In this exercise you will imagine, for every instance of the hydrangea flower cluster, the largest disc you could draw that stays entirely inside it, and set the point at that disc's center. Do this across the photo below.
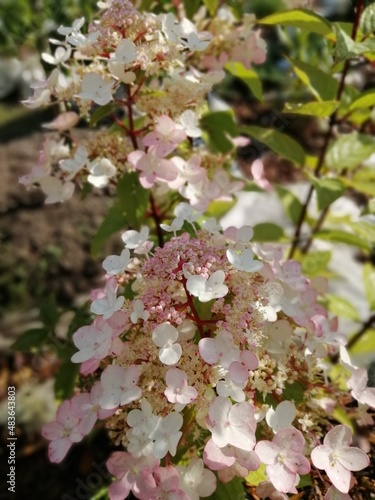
(206, 359)
(209, 365)
(146, 67)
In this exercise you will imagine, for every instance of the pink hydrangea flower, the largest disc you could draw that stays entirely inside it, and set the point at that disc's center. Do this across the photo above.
(283, 458)
(62, 433)
(196, 481)
(130, 473)
(86, 407)
(163, 483)
(165, 138)
(119, 386)
(152, 168)
(359, 389)
(231, 424)
(338, 458)
(178, 390)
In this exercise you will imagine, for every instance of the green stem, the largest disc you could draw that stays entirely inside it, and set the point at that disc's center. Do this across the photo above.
(320, 163)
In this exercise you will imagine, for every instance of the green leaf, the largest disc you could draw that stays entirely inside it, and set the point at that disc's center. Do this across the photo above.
(328, 191)
(346, 48)
(280, 143)
(267, 231)
(257, 476)
(367, 23)
(305, 480)
(211, 6)
(218, 209)
(364, 100)
(321, 109)
(114, 221)
(292, 206)
(66, 379)
(128, 210)
(300, 18)
(249, 76)
(341, 307)
(323, 86)
(316, 263)
(103, 111)
(233, 490)
(369, 282)
(339, 236)
(191, 7)
(294, 392)
(362, 187)
(218, 126)
(31, 340)
(49, 314)
(133, 198)
(349, 150)
(365, 344)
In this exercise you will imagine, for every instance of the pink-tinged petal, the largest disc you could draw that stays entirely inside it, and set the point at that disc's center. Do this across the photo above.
(290, 439)
(353, 458)
(119, 490)
(52, 430)
(215, 457)
(320, 457)
(89, 366)
(176, 379)
(207, 350)
(368, 397)
(170, 354)
(130, 395)
(238, 372)
(339, 476)
(248, 459)
(87, 423)
(339, 436)
(297, 463)
(58, 449)
(281, 477)
(267, 452)
(189, 395)
(335, 494)
(64, 413)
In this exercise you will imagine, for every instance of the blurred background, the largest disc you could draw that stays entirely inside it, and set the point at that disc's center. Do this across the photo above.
(46, 269)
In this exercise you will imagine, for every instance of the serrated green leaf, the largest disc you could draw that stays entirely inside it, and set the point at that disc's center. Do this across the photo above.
(315, 263)
(292, 206)
(328, 191)
(349, 150)
(341, 307)
(267, 231)
(346, 48)
(364, 100)
(31, 340)
(322, 85)
(103, 111)
(367, 23)
(191, 7)
(278, 142)
(66, 379)
(300, 18)
(233, 490)
(369, 282)
(218, 126)
(339, 236)
(321, 109)
(211, 6)
(249, 76)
